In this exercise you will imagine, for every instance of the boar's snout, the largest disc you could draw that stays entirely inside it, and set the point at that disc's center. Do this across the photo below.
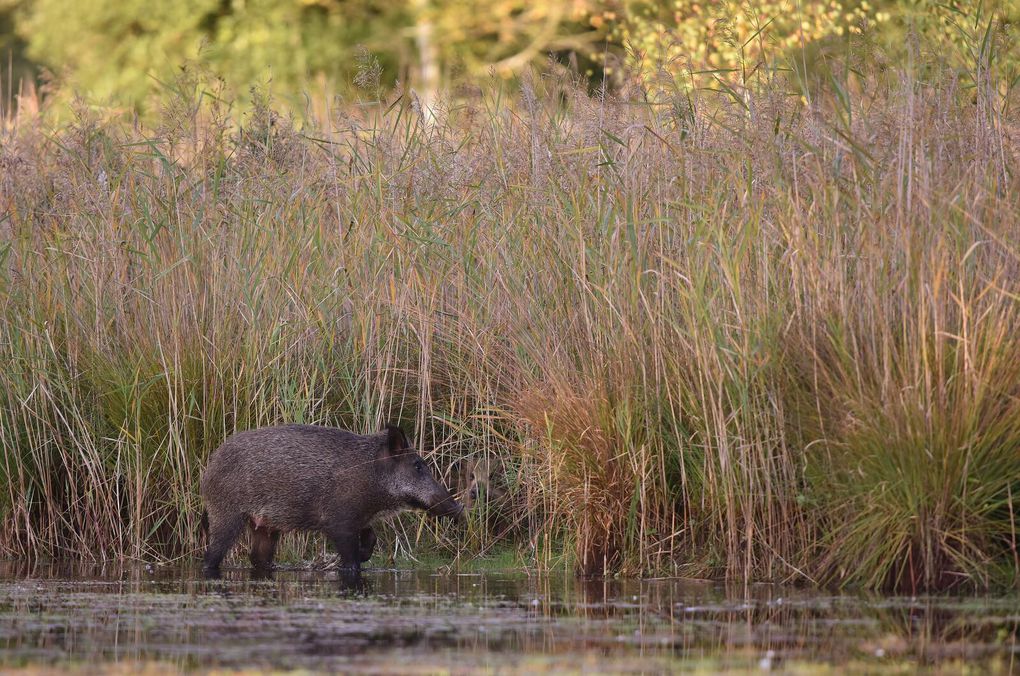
(448, 507)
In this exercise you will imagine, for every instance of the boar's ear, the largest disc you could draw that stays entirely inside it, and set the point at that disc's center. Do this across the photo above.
(467, 469)
(396, 443)
(460, 473)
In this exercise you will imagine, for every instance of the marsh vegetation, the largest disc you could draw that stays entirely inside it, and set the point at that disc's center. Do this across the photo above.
(758, 329)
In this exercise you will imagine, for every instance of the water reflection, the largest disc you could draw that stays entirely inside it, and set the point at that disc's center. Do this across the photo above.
(392, 620)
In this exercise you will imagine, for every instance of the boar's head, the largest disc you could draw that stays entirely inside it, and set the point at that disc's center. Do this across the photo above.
(409, 480)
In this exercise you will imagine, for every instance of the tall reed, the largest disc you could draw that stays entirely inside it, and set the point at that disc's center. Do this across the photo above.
(743, 334)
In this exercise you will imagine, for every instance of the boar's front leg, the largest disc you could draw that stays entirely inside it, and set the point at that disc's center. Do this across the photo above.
(348, 545)
(366, 544)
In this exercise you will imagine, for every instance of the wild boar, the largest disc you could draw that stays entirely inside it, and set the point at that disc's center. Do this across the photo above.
(480, 484)
(312, 478)
(476, 481)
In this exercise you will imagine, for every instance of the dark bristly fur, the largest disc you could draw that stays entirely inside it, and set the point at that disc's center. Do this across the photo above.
(307, 477)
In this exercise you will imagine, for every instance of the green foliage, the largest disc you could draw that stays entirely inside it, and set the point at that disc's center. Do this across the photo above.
(15, 69)
(119, 51)
(681, 38)
(960, 24)
(122, 51)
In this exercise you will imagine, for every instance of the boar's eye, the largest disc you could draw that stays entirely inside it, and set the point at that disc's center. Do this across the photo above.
(419, 467)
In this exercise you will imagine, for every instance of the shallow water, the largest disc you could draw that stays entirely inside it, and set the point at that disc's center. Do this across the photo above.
(424, 621)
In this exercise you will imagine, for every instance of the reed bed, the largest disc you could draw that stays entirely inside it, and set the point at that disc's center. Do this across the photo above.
(740, 333)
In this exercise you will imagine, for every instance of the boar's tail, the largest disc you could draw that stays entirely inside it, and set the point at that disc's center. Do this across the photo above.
(203, 524)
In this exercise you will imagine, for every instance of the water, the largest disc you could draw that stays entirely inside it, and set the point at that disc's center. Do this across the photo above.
(424, 621)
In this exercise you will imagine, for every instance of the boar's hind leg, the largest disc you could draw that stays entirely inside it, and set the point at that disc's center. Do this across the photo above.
(223, 532)
(263, 547)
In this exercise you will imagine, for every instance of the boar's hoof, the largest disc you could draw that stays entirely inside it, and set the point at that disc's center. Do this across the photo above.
(350, 576)
(353, 583)
(259, 573)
